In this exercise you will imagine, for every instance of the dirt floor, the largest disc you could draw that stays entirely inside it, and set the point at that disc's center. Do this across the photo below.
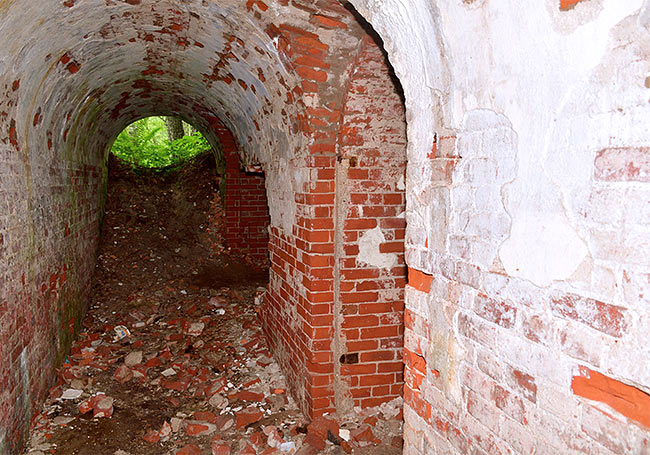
(171, 359)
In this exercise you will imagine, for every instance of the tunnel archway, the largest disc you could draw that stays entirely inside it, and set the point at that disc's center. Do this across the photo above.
(526, 242)
(243, 190)
(287, 81)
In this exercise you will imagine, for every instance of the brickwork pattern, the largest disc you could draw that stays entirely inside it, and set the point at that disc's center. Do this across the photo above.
(246, 205)
(373, 140)
(41, 301)
(496, 364)
(300, 312)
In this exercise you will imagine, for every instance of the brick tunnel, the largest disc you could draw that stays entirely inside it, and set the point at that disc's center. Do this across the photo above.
(302, 94)
(519, 221)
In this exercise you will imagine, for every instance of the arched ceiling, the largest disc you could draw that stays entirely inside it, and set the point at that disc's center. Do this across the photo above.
(79, 71)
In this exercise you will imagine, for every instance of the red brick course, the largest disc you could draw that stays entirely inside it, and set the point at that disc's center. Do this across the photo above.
(372, 297)
(247, 209)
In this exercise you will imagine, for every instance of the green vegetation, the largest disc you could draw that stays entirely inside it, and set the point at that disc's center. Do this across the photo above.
(149, 143)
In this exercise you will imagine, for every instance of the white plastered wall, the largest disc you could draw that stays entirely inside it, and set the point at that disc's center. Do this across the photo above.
(532, 94)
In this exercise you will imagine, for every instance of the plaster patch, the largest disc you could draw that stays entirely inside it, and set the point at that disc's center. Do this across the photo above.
(282, 207)
(473, 4)
(369, 250)
(543, 248)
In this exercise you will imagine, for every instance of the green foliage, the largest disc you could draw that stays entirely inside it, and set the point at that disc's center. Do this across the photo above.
(188, 147)
(145, 144)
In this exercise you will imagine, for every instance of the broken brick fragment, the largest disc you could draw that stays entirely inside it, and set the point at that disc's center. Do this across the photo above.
(321, 429)
(321, 425)
(315, 441)
(190, 449)
(151, 436)
(248, 450)
(257, 439)
(195, 329)
(123, 374)
(166, 431)
(372, 420)
(86, 405)
(248, 417)
(205, 416)
(133, 358)
(251, 383)
(196, 428)
(364, 434)
(219, 447)
(246, 395)
(103, 407)
(153, 362)
(180, 385)
(224, 422)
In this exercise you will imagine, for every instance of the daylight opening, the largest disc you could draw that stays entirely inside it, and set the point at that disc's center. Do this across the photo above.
(159, 142)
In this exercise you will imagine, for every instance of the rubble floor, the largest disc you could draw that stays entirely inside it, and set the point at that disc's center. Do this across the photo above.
(171, 358)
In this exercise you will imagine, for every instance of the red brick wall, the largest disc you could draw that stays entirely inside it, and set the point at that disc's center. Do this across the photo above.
(302, 99)
(373, 140)
(48, 239)
(247, 209)
(298, 310)
(315, 276)
(298, 321)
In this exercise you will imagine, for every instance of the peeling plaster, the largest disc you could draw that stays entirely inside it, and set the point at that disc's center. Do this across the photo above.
(525, 208)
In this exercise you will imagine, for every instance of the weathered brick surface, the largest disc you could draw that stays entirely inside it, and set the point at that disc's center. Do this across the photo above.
(371, 222)
(568, 4)
(50, 220)
(623, 164)
(629, 401)
(298, 308)
(495, 362)
(320, 294)
(247, 208)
